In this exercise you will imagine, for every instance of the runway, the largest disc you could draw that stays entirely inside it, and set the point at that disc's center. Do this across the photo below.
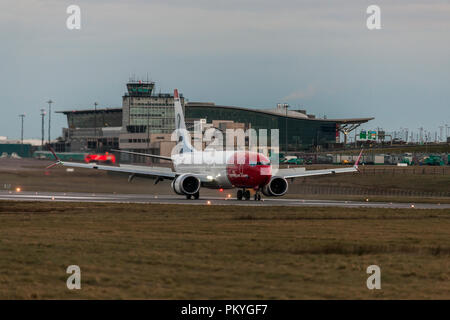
(174, 199)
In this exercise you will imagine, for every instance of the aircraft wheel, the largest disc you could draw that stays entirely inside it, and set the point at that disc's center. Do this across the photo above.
(247, 195)
(259, 197)
(239, 194)
(196, 195)
(255, 197)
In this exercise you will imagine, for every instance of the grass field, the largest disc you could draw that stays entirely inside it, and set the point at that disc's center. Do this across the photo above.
(386, 180)
(162, 252)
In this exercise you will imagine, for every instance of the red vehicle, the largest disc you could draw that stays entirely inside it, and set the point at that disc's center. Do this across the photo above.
(100, 158)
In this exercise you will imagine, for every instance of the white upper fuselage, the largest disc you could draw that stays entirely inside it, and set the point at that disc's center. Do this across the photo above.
(212, 163)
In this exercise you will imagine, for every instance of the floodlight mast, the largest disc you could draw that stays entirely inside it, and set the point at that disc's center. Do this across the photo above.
(95, 126)
(42, 127)
(49, 119)
(21, 130)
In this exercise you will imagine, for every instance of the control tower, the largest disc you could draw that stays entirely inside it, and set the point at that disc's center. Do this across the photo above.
(148, 118)
(140, 88)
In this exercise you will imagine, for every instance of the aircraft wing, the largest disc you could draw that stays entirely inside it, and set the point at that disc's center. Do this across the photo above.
(301, 172)
(138, 170)
(292, 173)
(157, 172)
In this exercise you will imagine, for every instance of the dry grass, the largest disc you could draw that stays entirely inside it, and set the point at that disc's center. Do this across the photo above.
(414, 182)
(160, 251)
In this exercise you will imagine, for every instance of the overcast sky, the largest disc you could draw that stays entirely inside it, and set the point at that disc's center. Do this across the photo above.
(316, 55)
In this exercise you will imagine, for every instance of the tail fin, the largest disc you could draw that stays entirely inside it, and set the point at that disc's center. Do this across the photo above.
(359, 158)
(180, 126)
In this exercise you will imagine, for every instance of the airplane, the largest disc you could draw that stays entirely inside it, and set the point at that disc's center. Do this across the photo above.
(242, 169)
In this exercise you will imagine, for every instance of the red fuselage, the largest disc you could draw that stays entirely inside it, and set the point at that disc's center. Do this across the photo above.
(248, 170)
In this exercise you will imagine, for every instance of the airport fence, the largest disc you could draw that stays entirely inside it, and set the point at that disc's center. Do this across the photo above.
(436, 170)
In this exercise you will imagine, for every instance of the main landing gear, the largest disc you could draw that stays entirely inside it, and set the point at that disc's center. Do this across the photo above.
(245, 194)
(195, 196)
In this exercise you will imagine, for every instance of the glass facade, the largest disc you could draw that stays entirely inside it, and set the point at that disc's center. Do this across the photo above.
(140, 88)
(88, 118)
(146, 112)
(160, 119)
(300, 134)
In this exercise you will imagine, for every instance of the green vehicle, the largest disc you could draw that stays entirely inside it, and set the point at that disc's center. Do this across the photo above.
(274, 156)
(433, 160)
(406, 160)
(295, 161)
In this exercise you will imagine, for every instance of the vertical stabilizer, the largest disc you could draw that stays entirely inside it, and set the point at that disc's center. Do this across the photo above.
(180, 126)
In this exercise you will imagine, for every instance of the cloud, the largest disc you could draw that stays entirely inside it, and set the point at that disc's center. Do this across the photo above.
(300, 94)
(265, 47)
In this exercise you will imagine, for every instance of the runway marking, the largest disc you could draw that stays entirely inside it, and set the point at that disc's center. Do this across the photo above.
(173, 199)
(35, 197)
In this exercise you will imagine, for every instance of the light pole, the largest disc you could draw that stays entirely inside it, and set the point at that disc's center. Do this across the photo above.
(95, 126)
(21, 134)
(148, 129)
(441, 133)
(286, 106)
(42, 125)
(49, 119)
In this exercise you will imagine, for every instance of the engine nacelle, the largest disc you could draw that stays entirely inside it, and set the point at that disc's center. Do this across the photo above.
(186, 184)
(276, 187)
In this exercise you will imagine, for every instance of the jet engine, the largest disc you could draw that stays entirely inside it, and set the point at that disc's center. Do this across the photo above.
(276, 187)
(186, 184)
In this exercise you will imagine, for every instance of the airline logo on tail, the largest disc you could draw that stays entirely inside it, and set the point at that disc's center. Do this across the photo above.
(180, 126)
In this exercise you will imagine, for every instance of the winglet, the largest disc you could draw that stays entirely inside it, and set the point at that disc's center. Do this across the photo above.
(359, 158)
(54, 154)
(58, 160)
(175, 94)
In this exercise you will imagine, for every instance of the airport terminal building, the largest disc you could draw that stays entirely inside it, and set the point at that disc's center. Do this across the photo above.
(146, 120)
(297, 130)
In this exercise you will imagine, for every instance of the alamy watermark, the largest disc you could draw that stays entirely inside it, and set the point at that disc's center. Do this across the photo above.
(74, 280)
(73, 22)
(214, 148)
(373, 22)
(374, 280)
